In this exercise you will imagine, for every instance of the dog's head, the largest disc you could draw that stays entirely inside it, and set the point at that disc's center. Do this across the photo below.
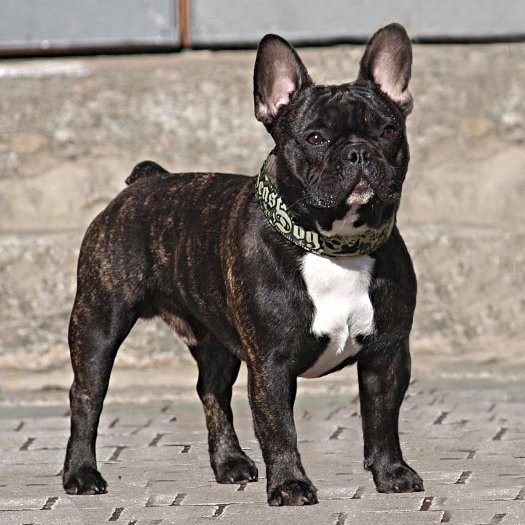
(341, 152)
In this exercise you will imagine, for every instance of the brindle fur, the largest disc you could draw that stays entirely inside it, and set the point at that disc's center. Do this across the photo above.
(197, 251)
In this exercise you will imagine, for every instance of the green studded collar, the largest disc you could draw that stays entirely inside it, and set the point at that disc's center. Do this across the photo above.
(280, 218)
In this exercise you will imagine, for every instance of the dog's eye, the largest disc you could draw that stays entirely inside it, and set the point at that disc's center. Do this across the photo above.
(390, 133)
(316, 139)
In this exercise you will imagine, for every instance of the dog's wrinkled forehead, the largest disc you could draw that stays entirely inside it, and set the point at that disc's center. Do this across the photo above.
(349, 105)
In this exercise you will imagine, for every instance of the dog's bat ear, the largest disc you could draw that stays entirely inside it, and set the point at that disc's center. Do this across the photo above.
(278, 74)
(387, 62)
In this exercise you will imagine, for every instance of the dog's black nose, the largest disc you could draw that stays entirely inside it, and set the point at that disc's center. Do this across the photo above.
(359, 156)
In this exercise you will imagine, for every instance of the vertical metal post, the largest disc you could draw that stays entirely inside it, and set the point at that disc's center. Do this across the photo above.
(184, 22)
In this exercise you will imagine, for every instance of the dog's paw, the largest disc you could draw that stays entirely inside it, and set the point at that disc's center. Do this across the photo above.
(293, 492)
(236, 468)
(397, 477)
(85, 481)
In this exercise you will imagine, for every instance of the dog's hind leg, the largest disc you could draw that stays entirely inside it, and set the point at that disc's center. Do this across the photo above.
(218, 370)
(99, 323)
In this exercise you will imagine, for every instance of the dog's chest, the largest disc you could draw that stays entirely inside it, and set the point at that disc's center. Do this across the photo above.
(339, 290)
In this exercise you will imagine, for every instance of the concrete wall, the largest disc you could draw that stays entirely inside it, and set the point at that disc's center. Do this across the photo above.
(233, 22)
(72, 129)
(50, 26)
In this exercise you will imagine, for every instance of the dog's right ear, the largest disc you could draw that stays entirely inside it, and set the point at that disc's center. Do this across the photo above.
(278, 74)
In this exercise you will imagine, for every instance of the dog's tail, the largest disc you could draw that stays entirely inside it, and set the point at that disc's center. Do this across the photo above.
(144, 169)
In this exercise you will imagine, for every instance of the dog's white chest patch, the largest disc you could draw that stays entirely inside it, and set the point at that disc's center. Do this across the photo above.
(338, 288)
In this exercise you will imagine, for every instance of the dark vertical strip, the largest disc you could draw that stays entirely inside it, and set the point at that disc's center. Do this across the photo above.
(27, 444)
(358, 493)
(219, 510)
(439, 420)
(426, 504)
(48, 505)
(116, 514)
(500, 434)
(465, 475)
(179, 498)
(341, 519)
(184, 22)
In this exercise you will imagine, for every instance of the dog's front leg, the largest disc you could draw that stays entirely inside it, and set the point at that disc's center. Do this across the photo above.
(271, 389)
(384, 375)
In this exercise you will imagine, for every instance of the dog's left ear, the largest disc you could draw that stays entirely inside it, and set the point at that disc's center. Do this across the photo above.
(278, 75)
(387, 62)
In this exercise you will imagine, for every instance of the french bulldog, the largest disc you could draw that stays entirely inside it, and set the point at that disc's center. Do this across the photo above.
(298, 272)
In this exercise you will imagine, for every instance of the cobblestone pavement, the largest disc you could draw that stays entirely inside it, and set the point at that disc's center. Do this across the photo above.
(467, 443)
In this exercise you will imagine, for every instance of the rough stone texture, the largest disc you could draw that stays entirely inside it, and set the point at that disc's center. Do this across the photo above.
(71, 130)
(37, 286)
(470, 305)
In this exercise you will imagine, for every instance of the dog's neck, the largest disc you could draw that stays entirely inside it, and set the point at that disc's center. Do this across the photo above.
(279, 216)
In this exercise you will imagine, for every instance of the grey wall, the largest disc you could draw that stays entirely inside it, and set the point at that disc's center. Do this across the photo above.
(63, 24)
(41, 26)
(310, 21)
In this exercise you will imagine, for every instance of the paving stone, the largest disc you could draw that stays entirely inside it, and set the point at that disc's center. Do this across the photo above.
(158, 469)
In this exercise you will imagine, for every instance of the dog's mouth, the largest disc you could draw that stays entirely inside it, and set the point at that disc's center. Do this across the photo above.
(361, 193)
(363, 206)
(373, 214)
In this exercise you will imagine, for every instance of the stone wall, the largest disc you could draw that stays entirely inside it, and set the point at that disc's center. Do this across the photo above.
(72, 129)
